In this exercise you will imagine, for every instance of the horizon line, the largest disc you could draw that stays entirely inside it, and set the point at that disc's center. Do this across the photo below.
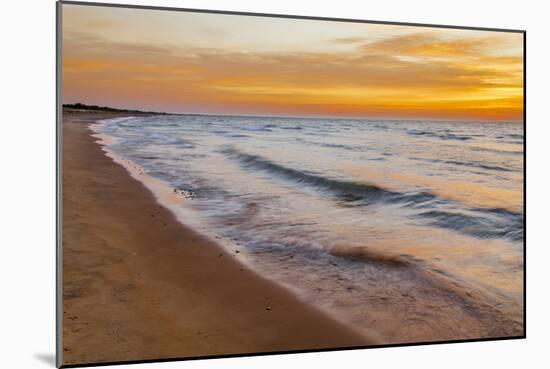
(140, 110)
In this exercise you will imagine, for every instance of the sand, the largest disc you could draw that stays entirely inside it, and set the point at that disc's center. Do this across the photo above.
(139, 285)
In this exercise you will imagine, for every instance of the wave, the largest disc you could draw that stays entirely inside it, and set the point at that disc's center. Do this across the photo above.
(512, 135)
(497, 151)
(229, 133)
(478, 165)
(344, 190)
(332, 145)
(481, 223)
(117, 121)
(236, 135)
(507, 225)
(440, 135)
(165, 139)
(315, 249)
(472, 164)
(264, 128)
(268, 128)
(371, 256)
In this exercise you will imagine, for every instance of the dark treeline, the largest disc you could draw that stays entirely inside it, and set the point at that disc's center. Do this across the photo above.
(107, 108)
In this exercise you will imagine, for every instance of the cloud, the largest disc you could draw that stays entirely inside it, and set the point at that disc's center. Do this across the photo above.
(437, 44)
(348, 40)
(441, 77)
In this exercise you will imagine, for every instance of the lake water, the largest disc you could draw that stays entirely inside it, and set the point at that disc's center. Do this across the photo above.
(405, 230)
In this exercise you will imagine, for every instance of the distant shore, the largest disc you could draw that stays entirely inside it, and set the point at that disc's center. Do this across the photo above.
(139, 285)
(85, 108)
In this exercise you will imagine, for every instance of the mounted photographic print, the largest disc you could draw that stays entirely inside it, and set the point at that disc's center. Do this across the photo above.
(240, 184)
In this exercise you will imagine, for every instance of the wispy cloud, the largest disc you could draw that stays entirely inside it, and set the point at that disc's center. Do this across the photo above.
(348, 40)
(429, 44)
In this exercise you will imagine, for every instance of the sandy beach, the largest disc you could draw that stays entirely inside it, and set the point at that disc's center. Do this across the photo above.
(139, 285)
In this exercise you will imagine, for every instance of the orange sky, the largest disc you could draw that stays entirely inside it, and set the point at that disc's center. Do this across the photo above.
(228, 64)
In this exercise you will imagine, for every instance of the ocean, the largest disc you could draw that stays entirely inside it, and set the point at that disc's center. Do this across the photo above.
(406, 231)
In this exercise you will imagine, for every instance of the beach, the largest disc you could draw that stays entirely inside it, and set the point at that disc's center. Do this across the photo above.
(139, 285)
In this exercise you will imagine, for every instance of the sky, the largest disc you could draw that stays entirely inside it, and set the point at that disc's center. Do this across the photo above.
(186, 62)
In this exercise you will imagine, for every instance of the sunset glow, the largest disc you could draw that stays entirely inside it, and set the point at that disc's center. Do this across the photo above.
(228, 64)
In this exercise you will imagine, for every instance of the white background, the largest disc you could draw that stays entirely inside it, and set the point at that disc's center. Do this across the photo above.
(27, 147)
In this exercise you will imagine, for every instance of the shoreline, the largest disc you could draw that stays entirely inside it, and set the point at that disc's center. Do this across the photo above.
(138, 284)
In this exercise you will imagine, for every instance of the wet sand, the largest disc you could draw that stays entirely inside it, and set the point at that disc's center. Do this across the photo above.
(139, 285)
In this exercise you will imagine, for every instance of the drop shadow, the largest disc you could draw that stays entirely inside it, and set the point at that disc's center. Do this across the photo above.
(46, 358)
